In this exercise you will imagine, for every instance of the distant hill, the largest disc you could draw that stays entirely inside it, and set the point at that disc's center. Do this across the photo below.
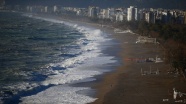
(167, 4)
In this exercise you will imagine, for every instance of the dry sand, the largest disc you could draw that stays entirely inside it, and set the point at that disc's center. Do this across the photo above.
(127, 86)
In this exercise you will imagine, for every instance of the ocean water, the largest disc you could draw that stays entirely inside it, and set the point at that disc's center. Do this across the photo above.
(40, 58)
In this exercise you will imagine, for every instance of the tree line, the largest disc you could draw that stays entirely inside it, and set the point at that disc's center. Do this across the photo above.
(171, 36)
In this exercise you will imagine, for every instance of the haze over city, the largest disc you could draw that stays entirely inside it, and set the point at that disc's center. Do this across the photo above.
(167, 4)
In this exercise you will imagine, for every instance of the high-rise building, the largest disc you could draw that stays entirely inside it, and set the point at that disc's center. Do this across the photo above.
(107, 13)
(132, 13)
(112, 11)
(141, 15)
(101, 14)
(93, 11)
(164, 17)
(119, 17)
(46, 9)
(150, 17)
(55, 9)
(119, 14)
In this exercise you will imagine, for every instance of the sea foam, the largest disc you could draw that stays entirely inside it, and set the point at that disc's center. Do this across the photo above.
(80, 68)
(59, 95)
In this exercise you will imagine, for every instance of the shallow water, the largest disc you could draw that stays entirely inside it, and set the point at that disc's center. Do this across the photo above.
(42, 56)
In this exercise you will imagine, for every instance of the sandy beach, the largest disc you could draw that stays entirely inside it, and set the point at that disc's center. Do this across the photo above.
(127, 85)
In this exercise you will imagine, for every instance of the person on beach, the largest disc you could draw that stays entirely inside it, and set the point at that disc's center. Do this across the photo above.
(175, 94)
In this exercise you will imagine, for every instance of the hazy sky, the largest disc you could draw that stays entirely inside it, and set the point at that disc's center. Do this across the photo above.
(105, 3)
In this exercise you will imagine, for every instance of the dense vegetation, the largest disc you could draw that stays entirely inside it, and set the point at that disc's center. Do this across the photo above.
(171, 36)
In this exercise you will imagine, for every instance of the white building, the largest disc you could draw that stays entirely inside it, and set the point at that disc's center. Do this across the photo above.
(78, 12)
(90, 11)
(107, 13)
(93, 11)
(119, 14)
(119, 17)
(101, 14)
(46, 9)
(81, 12)
(132, 13)
(29, 8)
(55, 9)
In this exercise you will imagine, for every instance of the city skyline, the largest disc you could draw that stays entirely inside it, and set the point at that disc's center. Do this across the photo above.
(170, 4)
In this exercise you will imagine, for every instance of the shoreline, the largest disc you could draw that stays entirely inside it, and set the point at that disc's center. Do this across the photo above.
(125, 84)
(104, 49)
